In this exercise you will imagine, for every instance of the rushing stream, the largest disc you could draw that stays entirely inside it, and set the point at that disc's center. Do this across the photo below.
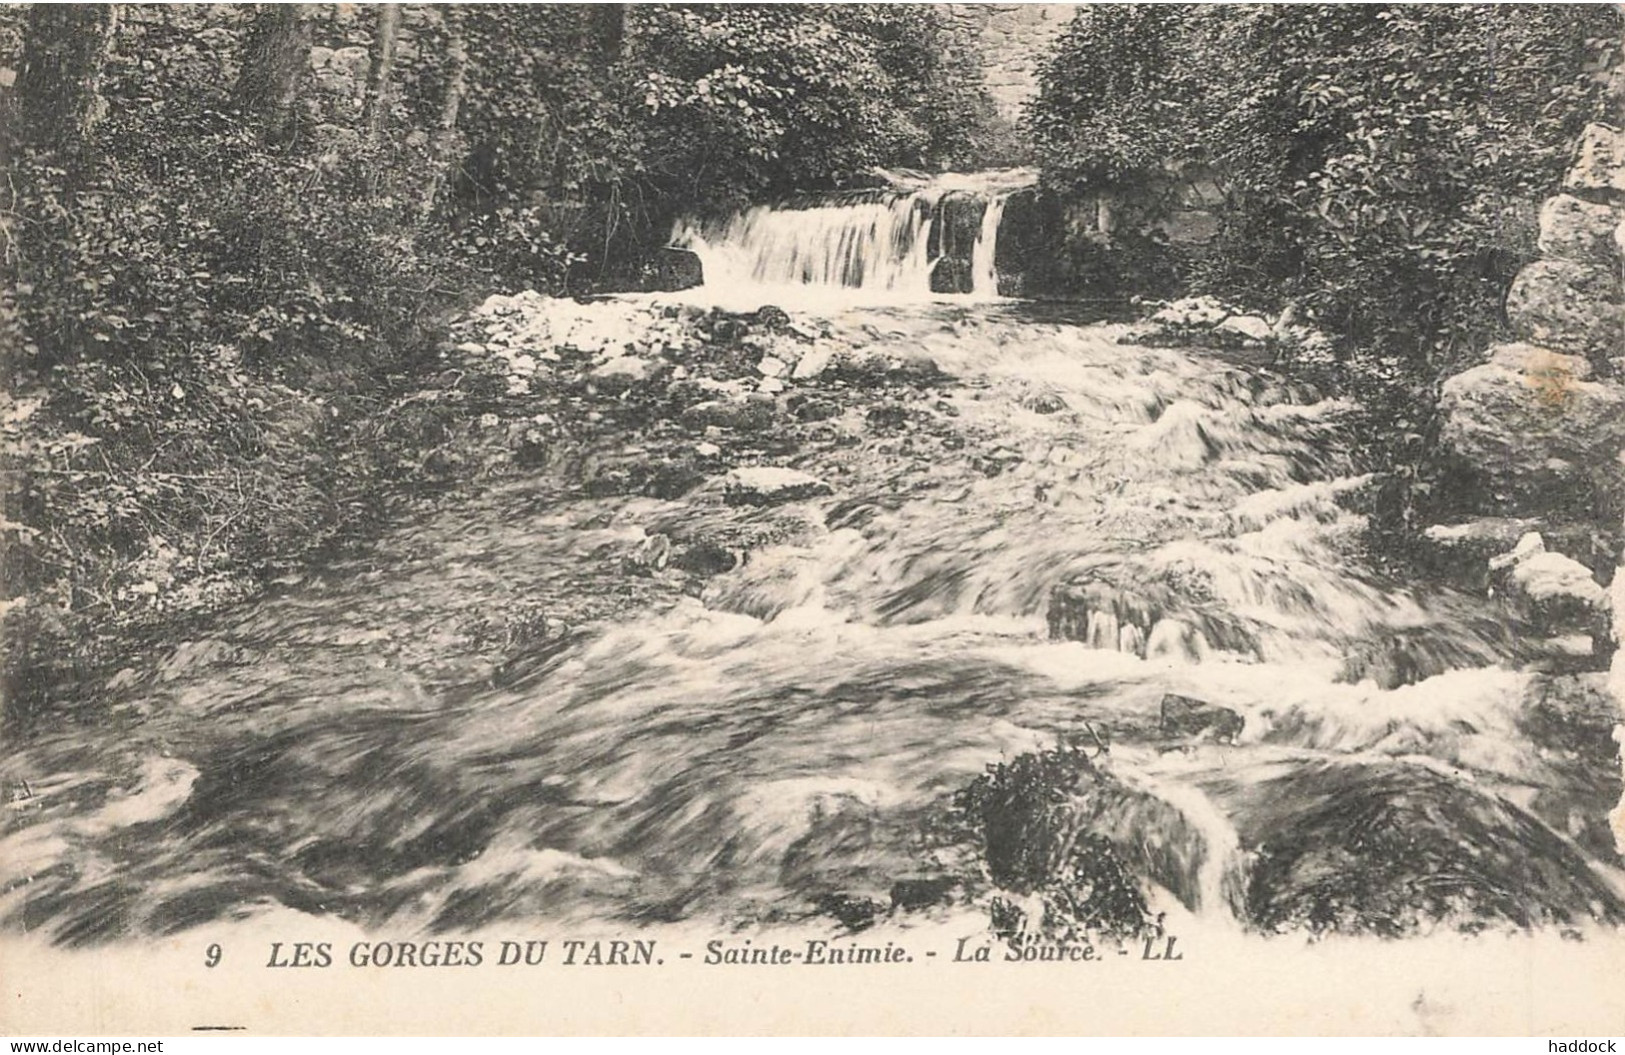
(759, 711)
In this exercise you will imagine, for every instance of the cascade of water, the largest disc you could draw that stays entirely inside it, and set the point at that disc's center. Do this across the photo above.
(876, 248)
(984, 273)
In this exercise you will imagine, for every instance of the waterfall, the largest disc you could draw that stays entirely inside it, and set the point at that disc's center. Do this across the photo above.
(876, 246)
(984, 272)
(919, 238)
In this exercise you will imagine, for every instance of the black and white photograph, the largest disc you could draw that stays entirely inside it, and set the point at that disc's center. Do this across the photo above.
(988, 518)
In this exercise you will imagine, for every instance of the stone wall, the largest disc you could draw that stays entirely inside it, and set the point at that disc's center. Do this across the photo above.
(1013, 38)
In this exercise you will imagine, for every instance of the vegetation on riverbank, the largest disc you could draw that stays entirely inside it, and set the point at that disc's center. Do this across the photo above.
(1377, 167)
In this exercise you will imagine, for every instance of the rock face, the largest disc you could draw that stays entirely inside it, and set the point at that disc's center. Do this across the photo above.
(1532, 429)
(1012, 37)
(1599, 168)
(1029, 244)
(958, 224)
(1569, 306)
(1581, 231)
(1539, 430)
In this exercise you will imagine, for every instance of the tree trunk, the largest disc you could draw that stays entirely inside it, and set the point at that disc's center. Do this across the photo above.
(383, 67)
(276, 55)
(443, 147)
(65, 48)
(609, 29)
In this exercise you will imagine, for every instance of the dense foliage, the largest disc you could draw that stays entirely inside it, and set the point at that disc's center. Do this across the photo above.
(608, 131)
(781, 97)
(236, 232)
(1380, 165)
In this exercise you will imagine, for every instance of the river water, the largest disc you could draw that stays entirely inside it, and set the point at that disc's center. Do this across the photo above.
(1025, 548)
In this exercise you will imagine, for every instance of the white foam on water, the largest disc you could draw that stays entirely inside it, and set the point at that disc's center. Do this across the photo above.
(866, 247)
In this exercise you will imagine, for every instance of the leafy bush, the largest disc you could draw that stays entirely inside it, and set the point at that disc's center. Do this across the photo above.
(1378, 161)
(1381, 166)
(744, 101)
(1112, 96)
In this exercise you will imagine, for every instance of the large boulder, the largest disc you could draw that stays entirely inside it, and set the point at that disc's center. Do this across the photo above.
(1391, 849)
(1028, 254)
(669, 269)
(1532, 430)
(1569, 306)
(1599, 168)
(1582, 231)
(954, 231)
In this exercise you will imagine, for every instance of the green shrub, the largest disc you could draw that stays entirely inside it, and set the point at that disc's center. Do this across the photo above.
(1381, 167)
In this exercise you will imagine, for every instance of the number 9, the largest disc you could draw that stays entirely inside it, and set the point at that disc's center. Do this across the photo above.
(213, 955)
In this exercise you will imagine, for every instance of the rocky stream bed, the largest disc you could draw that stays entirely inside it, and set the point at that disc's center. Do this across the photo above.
(784, 619)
